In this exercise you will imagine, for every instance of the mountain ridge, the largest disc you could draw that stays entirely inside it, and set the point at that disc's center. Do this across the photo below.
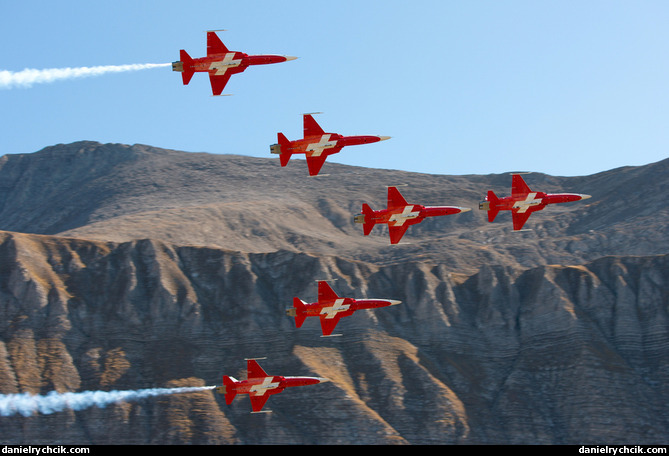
(253, 204)
(554, 336)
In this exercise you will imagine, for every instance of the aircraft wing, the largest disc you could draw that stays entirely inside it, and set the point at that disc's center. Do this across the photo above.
(519, 218)
(258, 402)
(215, 45)
(325, 292)
(315, 163)
(311, 127)
(253, 369)
(218, 82)
(328, 324)
(518, 186)
(396, 232)
(395, 198)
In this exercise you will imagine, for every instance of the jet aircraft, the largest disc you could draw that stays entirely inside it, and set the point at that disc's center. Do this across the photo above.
(260, 386)
(330, 307)
(523, 201)
(400, 215)
(317, 144)
(220, 63)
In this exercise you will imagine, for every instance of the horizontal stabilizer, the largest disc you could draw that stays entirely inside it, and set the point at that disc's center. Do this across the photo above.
(186, 76)
(300, 308)
(368, 224)
(229, 389)
(284, 144)
(185, 58)
(187, 66)
(493, 209)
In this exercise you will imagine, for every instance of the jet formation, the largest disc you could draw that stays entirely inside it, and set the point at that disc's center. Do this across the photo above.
(523, 202)
(221, 63)
(330, 307)
(316, 144)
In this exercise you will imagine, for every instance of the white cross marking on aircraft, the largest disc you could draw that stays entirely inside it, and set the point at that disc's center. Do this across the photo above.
(406, 214)
(331, 311)
(227, 62)
(523, 206)
(262, 388)
(324, 143)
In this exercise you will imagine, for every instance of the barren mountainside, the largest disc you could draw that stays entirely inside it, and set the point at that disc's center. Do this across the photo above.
(120, 193)
(128, 267)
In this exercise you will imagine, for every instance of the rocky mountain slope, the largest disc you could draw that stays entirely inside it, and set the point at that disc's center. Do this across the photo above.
(127, 267)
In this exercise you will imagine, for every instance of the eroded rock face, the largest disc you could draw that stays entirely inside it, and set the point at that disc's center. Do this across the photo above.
(550, 354)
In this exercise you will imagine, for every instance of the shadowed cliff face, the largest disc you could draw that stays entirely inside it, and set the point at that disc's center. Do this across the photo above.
(550, 354)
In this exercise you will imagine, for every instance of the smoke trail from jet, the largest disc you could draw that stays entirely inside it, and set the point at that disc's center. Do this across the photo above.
(26, 404)
(28, 77)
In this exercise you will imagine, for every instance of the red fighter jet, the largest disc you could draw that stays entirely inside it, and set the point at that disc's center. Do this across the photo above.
(523, 202)
(317, 144)
(330, 308)
(400, 215)
(220, 63)
(260, 386)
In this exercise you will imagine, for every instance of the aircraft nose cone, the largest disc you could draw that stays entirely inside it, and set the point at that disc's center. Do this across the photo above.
(322, 379)
(394, 302)
(383, 138)
(289, 57)
(465, 209)
(585, 197)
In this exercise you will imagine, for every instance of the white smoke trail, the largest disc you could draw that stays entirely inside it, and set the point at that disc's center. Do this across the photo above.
(26, 404)
(28, 77)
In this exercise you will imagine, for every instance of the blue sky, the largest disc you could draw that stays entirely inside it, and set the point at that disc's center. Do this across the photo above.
(463, 87)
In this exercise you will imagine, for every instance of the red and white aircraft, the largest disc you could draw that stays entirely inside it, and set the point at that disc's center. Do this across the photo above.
(523, 201)
(220, 63)
(260, 386)
(330, 307)
(400, 215)
(317, 144)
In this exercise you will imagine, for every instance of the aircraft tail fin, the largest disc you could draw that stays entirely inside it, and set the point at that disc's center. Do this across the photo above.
(187, 63)
(493, 209)
(367, 212)
(284, 144)
(299, 307)
(228, 389)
